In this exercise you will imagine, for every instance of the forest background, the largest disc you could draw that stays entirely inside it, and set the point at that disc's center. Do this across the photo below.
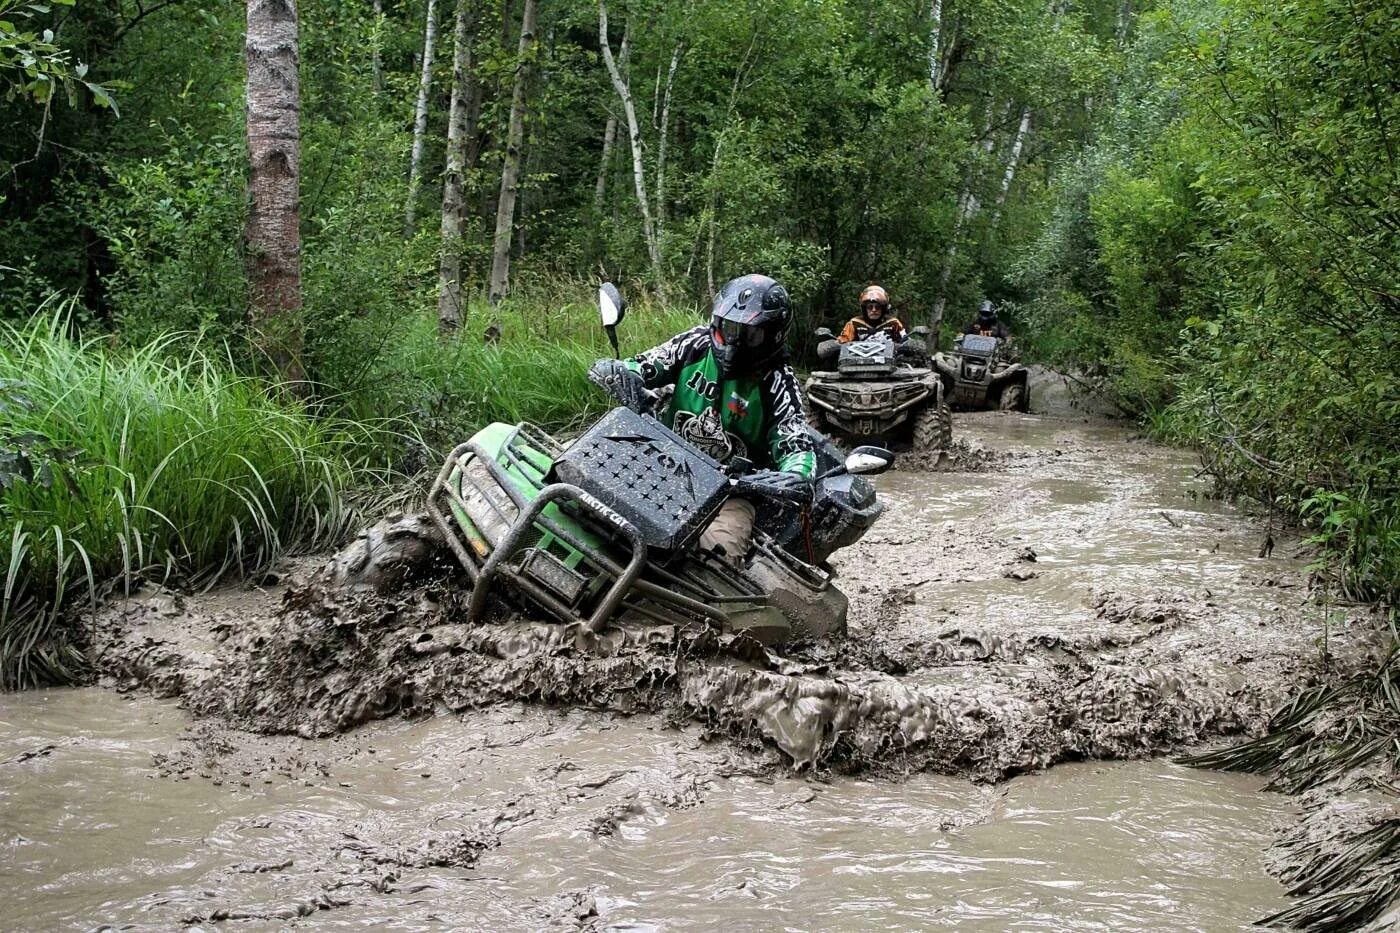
(1191, 206)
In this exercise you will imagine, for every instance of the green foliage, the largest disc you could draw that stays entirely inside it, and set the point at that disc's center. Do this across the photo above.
(1237, 266)
(143, 463)
(33, 65)
(172, 227)
(437, 393)
(1232, 241)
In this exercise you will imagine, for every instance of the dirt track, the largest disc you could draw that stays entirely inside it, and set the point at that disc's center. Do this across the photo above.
(1058, 590)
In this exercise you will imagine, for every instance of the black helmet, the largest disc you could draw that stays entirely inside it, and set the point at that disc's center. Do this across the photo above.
(985, 314)
(749, 327)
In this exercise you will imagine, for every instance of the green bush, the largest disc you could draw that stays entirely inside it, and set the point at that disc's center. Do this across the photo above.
(173, 226)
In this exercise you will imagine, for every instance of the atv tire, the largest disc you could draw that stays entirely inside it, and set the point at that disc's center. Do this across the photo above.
(933, 428)
(1013, 398)
(386, 555)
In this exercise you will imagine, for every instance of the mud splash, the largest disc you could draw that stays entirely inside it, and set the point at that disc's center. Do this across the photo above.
(993, 632)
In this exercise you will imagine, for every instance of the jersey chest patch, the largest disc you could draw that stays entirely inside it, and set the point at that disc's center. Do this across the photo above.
(706, 432)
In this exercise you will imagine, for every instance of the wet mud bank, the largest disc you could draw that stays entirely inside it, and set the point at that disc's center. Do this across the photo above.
(1069, 594)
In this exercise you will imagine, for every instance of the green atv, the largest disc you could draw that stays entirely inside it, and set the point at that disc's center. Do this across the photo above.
(604, 530)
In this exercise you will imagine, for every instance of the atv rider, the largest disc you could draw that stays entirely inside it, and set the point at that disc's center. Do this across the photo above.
(735, 396)
(874, 319)
(987, 324)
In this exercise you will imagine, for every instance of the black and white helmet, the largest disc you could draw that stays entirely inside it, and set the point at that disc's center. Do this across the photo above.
(749, 325)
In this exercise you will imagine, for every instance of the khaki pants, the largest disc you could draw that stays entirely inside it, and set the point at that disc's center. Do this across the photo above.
(731, 529)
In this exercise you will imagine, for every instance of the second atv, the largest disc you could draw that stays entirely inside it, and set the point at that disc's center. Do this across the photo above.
(878, 392)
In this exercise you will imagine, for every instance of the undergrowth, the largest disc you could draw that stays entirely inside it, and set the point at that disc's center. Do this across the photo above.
(145, 463)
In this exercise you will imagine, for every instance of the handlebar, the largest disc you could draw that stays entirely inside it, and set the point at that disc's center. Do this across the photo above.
(799, 497)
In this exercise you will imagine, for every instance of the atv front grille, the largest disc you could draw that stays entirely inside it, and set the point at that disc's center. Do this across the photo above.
(868, 399)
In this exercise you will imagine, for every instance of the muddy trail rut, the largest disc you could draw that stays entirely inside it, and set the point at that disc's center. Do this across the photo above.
(1055, 590)
(1058, 590)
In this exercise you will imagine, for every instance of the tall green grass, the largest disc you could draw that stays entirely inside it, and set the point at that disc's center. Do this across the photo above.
(443, 390)
(154, 462)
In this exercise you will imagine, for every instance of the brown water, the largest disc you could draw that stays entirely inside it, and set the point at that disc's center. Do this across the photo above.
(644, 824)
(1145, 620)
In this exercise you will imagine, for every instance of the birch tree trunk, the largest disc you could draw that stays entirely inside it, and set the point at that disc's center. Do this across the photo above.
(968, 206)
(600, 188)
(274, 164)
(510, 172)
(475, 90)
(420, 118)
(1013, 162)
(634, 135)
(935, 53)
(378, 60)
(453, 195)
(663, 130)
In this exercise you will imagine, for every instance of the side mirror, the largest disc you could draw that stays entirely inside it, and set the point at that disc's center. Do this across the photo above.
(866, 460)
(869, 460)
(824, 333)
(920, 331)
(612, 307)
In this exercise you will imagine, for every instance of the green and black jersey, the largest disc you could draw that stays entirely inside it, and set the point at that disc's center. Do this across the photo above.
(757, 417)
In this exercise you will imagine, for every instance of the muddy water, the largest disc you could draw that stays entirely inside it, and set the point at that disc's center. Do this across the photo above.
(1074, 595)
(641, 825)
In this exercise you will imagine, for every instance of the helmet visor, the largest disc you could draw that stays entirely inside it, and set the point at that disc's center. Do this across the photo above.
(735, 334)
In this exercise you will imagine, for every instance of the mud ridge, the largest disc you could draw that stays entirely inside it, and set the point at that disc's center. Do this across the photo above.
(326, 661)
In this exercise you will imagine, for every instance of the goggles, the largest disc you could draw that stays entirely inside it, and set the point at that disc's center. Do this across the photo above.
(734, 334)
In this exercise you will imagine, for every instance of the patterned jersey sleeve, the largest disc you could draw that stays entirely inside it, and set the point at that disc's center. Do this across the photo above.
(660, 365)
(789, 443)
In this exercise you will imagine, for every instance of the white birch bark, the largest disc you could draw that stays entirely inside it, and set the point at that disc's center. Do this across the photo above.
(634, 135)
(968, 206)
(663, 131)
(420, 118)
(935, 53)
(274, 166)
(453, 193)
(510, 171)
(1013, 161)
(600, 188)
(378, 60)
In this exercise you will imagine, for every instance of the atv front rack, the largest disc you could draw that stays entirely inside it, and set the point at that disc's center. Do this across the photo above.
(502, 521)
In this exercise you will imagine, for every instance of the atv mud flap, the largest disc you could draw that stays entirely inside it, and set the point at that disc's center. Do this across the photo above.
(801, 594)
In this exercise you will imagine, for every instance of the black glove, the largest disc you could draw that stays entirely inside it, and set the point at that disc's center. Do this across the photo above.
(627, 387)
(790, 487)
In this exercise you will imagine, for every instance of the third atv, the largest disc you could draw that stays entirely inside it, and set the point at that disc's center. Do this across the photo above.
(981, 373)
(878, 390)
